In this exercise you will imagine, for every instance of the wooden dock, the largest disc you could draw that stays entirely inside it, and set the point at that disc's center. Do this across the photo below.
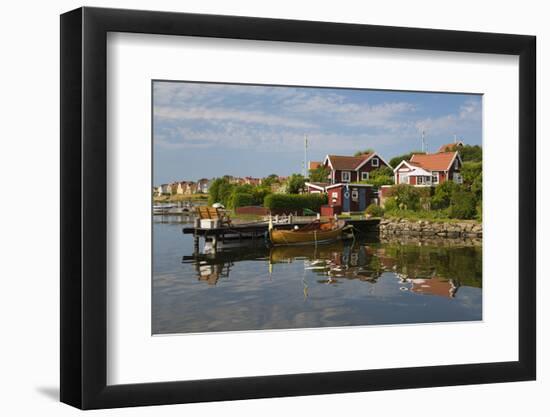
(258, 231)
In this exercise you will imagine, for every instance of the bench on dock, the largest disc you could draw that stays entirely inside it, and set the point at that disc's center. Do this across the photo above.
(213, 213)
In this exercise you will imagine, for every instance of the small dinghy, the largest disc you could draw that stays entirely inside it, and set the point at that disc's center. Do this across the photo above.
(312, 233)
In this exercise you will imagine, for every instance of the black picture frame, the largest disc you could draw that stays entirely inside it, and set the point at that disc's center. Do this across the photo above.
(84, 207)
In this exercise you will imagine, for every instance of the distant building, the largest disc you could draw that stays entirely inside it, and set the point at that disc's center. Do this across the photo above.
(252, 181)
(164, 189)
(202, 185)
(429, 169)
(451, 147)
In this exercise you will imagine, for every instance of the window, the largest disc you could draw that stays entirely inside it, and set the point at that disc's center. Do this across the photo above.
(364, 176)
(334, 195)
(375, 162)
(419, 180)
(355, 195)
(457, 178)
(435, 177)
(346, 176)
(403, 179)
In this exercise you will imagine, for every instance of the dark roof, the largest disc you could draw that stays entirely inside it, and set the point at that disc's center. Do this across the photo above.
(348, 162)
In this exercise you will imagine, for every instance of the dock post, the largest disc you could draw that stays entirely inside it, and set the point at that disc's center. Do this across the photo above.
(318, 216)
(197, 223)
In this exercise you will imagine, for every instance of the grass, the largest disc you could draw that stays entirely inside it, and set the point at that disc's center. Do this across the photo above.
(179, 197)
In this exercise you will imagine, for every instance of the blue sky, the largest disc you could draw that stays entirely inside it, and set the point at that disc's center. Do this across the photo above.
(210, 130)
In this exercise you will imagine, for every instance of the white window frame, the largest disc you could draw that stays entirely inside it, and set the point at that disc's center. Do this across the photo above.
(335, 195)
(420, 180)
(355, 195)
(348, 174)
(403, 178)
(457, 177)
(435, 177)
(364, 176)
(375, 162)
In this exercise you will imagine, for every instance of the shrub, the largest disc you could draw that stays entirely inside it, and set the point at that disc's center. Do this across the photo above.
(241, 199)
(294, 202)
(375, 210)
(407, 197)
(296, 183)
(390, 204)
(463, 204)
(442, 195)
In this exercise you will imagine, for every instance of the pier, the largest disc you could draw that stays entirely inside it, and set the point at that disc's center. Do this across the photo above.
(258, 231)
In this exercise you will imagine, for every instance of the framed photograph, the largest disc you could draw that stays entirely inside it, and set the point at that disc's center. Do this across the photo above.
(257, 208)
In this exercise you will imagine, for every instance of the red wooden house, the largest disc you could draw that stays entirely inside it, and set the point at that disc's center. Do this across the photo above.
(346, 169)
(429, 169)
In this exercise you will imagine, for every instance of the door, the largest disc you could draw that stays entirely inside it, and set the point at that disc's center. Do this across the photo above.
(346, 198)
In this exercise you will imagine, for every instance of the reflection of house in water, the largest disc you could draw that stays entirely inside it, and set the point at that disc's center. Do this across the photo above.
(420, 271)
(431, 286)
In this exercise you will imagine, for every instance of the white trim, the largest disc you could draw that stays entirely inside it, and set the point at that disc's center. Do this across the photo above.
(349, 175)
(318, 187)
(362, 175)
(403, 162)
(377, 162)
(369, 158)
(327, 159)
(341, 184)
(453, 159)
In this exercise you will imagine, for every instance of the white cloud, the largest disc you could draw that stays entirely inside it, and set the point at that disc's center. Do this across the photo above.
(214, 114)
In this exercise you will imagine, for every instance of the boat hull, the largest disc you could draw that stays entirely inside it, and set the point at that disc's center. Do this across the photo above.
(296, 237)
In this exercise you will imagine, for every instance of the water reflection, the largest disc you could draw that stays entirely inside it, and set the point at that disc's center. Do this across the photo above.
(422, 270)
(365, 282)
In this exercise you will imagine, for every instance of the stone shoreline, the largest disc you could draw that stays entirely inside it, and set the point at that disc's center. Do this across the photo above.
(426, 228)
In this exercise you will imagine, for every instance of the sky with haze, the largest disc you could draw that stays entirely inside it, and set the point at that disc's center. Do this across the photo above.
(210, 130)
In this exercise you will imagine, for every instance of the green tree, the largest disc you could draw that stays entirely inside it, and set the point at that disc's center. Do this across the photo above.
(407, 197)
(220, 191)
(319, 174)
(463, 204)
(368, 150)
(380, 176)
(442, 195)
(469, 153)
(296, 184)
(405, 157)
(270, 180)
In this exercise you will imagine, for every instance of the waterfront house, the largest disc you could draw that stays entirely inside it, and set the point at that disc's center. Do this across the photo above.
(345, 197)
(202, 185)
(252, 181)
(348, 169)
(164, 189)
(429, 169)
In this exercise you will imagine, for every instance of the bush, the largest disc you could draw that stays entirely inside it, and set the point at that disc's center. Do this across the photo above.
(390, 204)
(241, 199)
(407, 197)
(296, 183)
(442, 195)
(374, 210)
(295, 202)
(463, 204)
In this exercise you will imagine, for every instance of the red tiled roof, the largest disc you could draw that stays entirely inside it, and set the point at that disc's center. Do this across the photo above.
(434, 161)
(450, 147)
(347, 162)
(314, 164)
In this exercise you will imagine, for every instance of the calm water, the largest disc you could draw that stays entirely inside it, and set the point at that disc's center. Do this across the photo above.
(343, 284)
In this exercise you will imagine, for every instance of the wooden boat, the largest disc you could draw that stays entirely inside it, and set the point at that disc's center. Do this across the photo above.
(312, 233)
